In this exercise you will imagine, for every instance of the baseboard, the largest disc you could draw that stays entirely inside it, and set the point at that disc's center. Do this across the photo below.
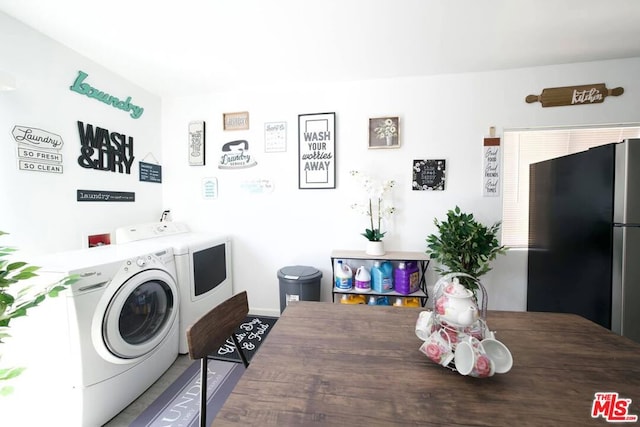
(256, 311)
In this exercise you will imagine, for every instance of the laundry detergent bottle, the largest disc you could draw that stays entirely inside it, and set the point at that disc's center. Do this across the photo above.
(387, 276)
(344, 276)
(363, 279)
(381, 279)
(406, 278)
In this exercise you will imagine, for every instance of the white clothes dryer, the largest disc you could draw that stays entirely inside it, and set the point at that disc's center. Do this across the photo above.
(105, 339)
(203, 265)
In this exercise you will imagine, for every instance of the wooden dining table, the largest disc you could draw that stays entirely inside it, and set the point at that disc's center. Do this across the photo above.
(357, 365)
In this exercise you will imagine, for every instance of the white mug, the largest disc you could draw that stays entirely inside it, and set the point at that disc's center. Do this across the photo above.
(437, 347)
(499, 354)
(424, 325)
(471, 359)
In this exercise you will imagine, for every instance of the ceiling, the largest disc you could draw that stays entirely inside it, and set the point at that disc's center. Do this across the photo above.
(183, 47)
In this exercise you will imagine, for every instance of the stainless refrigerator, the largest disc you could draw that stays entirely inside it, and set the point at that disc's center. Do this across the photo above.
(584, 236)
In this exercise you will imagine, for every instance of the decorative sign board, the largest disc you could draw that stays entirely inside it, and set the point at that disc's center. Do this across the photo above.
(275, 137)
(574, 95)
(104, 150)
(429, 175)
(79, 86)
(235, 121)
(491, 171)
(105, 196)
(38, 149)
(257, 186)
(317, 150)
(38, 138)
(210, 188)
(235, 155)
(197, 143)
(30, 165)
(150, 172)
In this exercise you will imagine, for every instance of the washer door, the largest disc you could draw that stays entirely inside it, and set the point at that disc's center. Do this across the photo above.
(140, 314)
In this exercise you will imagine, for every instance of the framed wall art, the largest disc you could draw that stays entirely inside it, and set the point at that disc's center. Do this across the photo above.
(383, 132)
(235, 121)
(429, 175)
(317, 150)
(275, 137)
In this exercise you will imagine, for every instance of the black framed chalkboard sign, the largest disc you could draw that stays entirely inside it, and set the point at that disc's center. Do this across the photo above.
(429, 175)
(317, 150)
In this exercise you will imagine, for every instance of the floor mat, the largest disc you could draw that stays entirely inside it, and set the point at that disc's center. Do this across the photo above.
(179, 405)
(250, 334)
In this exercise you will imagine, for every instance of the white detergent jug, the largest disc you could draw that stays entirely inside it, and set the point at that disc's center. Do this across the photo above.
(363, 279)
(344, 276)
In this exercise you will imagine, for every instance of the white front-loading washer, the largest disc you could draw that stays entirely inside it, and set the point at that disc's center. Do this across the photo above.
(105, 339)
(203, 265)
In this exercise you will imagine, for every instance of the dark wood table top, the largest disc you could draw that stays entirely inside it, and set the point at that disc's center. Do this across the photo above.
(352, 365)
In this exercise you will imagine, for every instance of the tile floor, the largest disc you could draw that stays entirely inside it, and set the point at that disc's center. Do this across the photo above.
(124, 418)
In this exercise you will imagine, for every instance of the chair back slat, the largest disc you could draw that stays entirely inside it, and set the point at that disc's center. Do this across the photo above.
(215, 327)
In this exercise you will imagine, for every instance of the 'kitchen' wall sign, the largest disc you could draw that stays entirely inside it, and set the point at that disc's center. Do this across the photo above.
(574, 95)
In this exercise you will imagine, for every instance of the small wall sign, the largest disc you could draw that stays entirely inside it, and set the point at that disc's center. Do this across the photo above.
(38, 149)
(105, 196)
(257, 186)
(235, 155)
(574, 95)
(150, 172)
(35, 137)
(429, 175)
(491, 171)
(210, 188)
(235, 121)
(275, 137)
(196, 143)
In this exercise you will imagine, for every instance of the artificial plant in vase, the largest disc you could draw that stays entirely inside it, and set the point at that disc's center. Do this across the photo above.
(376, 206)
(463, 245)
(16, 297)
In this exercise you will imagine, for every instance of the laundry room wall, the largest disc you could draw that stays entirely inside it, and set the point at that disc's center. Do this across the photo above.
(274, 224)
(39, 209)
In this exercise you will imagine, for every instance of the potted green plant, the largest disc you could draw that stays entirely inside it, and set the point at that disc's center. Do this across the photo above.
(16, 297)
(376, 206)
(463, 245)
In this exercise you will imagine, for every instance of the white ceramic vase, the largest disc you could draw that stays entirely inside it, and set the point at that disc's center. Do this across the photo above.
(375, 248)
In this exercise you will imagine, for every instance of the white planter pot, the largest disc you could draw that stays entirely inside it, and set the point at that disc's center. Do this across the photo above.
(375, 248)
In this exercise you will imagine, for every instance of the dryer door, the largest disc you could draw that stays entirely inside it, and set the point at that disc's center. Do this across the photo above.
(141, 314)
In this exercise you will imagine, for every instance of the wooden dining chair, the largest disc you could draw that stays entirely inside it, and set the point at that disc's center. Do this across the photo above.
(211, 331)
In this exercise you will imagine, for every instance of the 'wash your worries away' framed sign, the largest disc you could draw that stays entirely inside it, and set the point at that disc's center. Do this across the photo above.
(317, 150)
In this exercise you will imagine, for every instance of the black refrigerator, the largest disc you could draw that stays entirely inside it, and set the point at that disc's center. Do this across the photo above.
(584, 236)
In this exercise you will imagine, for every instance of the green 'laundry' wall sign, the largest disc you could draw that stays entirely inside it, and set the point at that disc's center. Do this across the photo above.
(83, 88)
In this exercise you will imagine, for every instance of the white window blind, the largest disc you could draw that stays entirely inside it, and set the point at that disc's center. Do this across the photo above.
(521, 148)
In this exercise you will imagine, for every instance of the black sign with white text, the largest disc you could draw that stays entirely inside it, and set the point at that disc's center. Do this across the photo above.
(105, 196)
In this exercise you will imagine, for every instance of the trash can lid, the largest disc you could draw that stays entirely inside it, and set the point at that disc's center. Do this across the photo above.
(299, 272)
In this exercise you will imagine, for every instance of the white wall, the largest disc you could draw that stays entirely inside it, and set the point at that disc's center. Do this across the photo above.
(40, 209)
(441, 117)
